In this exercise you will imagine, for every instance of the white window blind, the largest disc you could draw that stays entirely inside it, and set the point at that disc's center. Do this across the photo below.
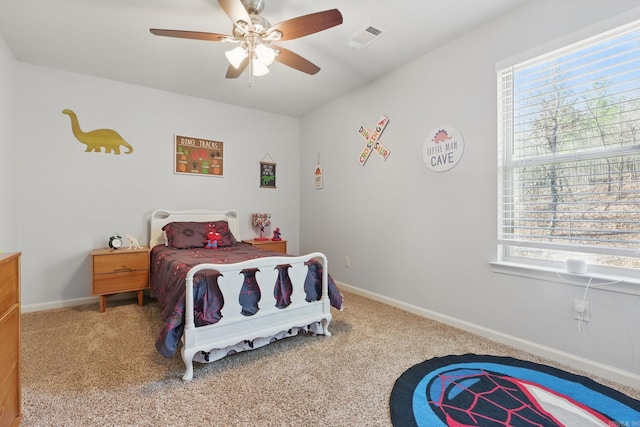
(569, 158)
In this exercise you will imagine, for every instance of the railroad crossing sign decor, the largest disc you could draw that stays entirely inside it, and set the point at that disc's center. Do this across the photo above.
(372, 141)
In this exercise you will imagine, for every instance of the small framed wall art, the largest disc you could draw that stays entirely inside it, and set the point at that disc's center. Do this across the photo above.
(267, 174)
(197, 156)
(317, 177)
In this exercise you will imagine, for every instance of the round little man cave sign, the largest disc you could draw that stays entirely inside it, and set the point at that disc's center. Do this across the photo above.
(443, 149)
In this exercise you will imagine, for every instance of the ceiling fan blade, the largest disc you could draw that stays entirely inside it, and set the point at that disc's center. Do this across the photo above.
(236, 11)
(308, 24)
(197, 35)
(233, 72)
(293, 60)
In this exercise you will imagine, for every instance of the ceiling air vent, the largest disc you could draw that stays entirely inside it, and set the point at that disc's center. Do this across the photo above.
(365, 37)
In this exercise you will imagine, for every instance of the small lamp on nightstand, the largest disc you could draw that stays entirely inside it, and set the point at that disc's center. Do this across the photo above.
(261, 220)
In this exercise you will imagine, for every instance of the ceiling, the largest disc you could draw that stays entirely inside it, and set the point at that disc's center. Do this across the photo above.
(111, 39)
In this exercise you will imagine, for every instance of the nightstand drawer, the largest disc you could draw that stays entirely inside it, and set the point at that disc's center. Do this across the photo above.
(123, 262)
(280, 246)
(120, 282)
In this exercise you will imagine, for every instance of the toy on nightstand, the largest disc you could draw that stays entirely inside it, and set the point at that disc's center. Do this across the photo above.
(133, 242)
(276, 235)
(212, 239)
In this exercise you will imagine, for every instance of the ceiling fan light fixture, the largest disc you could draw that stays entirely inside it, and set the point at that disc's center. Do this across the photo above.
(236, 56)
(259, 68)
(274, 35)
(240, 29)
(265, 54)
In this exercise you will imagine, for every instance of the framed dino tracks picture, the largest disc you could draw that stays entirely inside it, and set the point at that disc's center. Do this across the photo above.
(197, 156)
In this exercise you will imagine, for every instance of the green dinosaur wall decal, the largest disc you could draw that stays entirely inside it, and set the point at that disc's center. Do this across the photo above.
(96, 139)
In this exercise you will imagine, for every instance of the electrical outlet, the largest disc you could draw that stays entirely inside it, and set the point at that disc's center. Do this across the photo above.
(347, 261)
(581, 310)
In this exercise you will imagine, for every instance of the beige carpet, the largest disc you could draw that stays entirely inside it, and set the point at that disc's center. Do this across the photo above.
(84, 368)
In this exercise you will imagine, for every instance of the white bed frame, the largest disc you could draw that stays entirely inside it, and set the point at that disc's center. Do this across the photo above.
(234, 327)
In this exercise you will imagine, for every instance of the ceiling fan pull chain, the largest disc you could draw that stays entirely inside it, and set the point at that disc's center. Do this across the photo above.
(251, 68)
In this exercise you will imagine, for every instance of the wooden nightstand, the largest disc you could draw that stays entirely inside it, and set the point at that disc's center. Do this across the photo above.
(119, 270)
(269, 245)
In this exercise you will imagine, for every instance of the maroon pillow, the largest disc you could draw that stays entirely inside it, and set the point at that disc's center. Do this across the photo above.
(186, 235)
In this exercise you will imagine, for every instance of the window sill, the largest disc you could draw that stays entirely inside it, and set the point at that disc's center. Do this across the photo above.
(619, 284)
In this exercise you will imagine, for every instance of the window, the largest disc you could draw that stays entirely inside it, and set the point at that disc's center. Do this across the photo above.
(569, 155)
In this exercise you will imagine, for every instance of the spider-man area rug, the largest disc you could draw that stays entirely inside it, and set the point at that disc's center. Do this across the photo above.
(479, 390)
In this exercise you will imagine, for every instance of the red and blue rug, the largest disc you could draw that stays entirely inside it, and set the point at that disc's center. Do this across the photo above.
(480, 390)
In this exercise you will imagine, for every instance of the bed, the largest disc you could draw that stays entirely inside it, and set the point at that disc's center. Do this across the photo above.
(221, 296)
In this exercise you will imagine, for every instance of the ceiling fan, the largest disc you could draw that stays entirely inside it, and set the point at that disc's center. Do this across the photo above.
(255, 37)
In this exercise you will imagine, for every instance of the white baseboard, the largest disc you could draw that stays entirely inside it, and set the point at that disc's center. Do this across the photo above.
(71, 303)
(595, 368)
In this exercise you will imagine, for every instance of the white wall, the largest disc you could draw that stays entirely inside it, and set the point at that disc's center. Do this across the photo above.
(71, 201)
(8, 148)
(425, 239)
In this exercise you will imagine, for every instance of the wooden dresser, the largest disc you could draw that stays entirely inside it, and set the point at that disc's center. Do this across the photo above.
(10, 374)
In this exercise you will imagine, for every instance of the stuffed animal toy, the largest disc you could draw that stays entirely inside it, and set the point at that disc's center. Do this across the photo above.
(212, 239)
(277, 234)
